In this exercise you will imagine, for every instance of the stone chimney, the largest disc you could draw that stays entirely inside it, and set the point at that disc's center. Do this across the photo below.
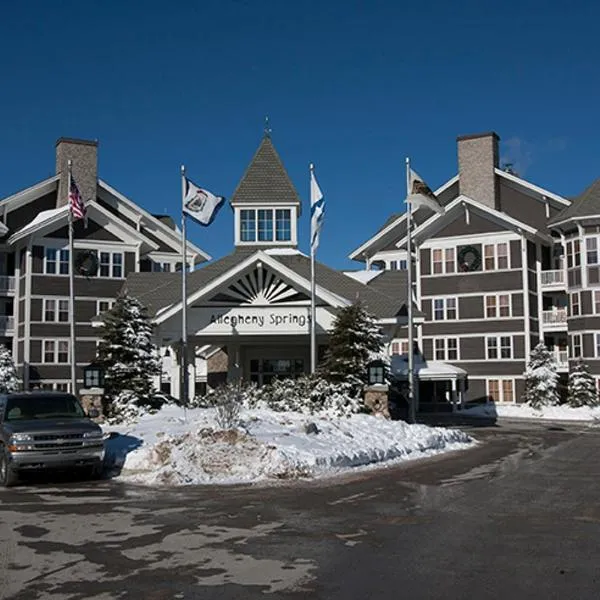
(477, 159)
(84, 157)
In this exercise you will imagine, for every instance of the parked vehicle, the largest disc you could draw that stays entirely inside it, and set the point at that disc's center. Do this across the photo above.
(47, 430)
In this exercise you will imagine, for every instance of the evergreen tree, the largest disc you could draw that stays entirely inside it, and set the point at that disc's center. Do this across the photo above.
(353, 342)
(9, 380)
(127, 353)
(541, 378)
(581, 388)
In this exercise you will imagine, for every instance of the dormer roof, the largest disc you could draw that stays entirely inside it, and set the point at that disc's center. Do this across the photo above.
(266, 182)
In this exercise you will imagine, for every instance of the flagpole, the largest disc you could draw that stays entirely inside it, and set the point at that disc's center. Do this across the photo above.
(73, 354)
(412, 414)
(184, 358)
(313, 311)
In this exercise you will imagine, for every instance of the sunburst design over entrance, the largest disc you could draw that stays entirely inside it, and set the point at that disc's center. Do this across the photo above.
(260, 286)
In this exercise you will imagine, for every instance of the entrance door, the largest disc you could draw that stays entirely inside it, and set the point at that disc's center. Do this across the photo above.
(264, 370)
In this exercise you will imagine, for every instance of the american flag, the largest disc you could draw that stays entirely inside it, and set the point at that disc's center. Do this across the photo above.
(75, 201)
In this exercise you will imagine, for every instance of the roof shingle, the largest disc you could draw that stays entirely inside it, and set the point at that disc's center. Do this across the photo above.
(586, 204)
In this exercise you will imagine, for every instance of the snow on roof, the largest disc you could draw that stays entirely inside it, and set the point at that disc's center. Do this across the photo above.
(42, 217)
(363, 276)
(426, 370)
(282, 251)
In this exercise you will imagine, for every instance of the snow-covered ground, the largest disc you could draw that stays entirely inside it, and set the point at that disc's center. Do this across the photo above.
(172, 448)
(523, 411)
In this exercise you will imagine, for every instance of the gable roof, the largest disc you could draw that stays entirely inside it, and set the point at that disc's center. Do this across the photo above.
(161, 292)
(587, 204)
(265, 181)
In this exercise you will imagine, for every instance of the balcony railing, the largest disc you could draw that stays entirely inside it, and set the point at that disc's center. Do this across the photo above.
(6, 324)
(556, 316)
(561, 357)
(555, 277)
(7, 284)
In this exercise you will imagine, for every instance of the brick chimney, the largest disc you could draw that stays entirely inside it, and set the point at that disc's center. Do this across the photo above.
(84, 157)
(477, 159)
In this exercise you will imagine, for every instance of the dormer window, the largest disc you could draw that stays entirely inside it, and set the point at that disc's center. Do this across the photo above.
(266, 225)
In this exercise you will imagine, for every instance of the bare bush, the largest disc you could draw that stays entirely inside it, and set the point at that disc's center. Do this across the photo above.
(228, 406)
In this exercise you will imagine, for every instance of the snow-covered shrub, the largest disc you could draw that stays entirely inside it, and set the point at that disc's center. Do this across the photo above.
(9, 380)
(229, 405)
(125, 408)
(246, 392)
(354, 340)
(541, 378)
(581, 387)
(127, 353)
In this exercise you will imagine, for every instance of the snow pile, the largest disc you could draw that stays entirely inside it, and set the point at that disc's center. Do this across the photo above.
(524, 411)
(171, 448)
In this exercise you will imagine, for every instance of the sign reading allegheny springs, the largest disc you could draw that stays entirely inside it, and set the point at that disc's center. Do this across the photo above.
(268, 320)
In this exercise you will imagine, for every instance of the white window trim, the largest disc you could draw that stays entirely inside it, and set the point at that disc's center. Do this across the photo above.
(571, 296)
(111, 303)
(56, 342)
(400, 342)
(495, 245)
(443, 250)
(497, 297)
(111, 263)
(500, 381)
(274, 207)
(444, 300)
(594, 292)
(58, 250)
(445, 349)
(596, 340)
(572, 348)
(499, 346)
(56, 300)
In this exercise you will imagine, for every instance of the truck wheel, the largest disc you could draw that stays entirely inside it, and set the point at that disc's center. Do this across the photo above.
(8, 476)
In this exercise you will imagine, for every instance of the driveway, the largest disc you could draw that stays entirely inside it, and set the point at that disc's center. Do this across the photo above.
(517, 517)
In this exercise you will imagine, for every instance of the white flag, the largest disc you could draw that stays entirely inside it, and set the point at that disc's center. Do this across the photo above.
(420, 194)
(317, 211)
(201, 204)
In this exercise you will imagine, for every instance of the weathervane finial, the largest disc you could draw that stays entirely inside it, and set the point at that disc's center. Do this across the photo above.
(268, 129)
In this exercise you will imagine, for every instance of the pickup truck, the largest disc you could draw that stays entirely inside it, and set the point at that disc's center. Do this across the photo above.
(46, 430)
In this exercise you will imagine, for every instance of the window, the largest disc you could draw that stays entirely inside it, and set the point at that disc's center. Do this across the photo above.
(489, 261)
(450, 260)
(283, 225)
(399, 347)
(49, 309)
(591, 245)
(576, 343)
(63, 263)
(117, 264)
(497, 306)
(499, 347)
(502, 255)
(248, 225)
(56, 310)
(576, 253)
(575, 304)
(436, 257)
(444, 308)
(501, 390)
(445, 348)
(403, 265)
(597, 302)
(103, 306)
(159, 267)
(495, 256)
(597, 345)
(110, 264)
(265, 225)
(569, 255)
(393, 265)
(50, 261)
(443, 260)
(55, 351)
(258, 225)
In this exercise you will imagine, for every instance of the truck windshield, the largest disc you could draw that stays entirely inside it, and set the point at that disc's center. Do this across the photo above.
(43, 407)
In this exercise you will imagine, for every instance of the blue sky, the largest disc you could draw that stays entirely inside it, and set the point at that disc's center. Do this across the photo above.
(352, 86)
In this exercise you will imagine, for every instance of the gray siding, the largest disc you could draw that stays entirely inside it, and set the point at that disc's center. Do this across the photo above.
(438, 328)
(494, 368)
(19, 217)
(477, 224)
(98, 287)
(37, 259)
(470, 307)
(515, 254)
(93, 231)
(425, 257)
(586, 303)
(521, 206)
(469, 283)
(130, 266)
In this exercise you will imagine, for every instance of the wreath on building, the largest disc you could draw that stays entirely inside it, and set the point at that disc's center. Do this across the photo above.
(469, 258)
(86, 263)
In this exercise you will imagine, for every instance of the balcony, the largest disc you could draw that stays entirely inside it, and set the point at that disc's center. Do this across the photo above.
(7, 325)
(553, 280)
(562, 359)
(555, 318)
(7, 285)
